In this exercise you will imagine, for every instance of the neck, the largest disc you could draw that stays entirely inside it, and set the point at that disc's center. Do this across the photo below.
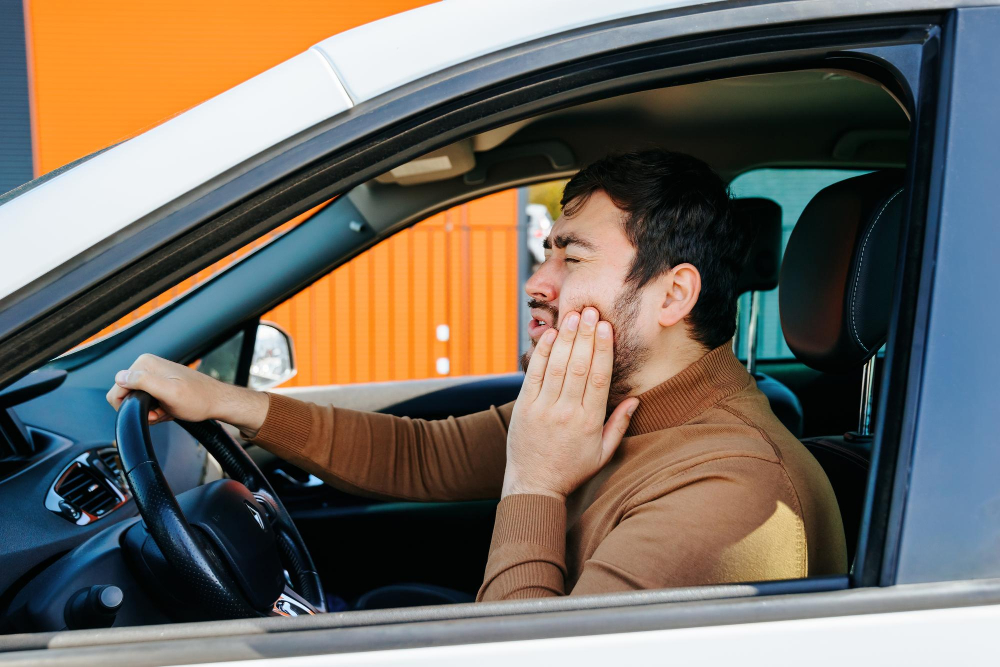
(665, 361)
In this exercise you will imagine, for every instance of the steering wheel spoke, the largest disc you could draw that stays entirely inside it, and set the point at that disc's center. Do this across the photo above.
(290, 603)
(270, 505)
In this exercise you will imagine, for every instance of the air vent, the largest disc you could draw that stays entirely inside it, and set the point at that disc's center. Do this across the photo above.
(89, 488)
(84, 488)
(109, 456)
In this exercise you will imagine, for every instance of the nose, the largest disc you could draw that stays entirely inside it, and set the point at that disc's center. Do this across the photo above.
(543, 283)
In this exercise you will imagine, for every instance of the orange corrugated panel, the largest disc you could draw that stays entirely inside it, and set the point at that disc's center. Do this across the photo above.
(381, 311)
(343, 333)
(376, 318)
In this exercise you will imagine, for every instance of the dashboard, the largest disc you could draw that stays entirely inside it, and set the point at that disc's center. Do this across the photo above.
(60, 476)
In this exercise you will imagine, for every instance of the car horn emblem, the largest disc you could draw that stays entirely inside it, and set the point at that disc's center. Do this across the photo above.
(256, 515)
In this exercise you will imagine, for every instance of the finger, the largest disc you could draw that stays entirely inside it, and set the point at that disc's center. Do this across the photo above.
(555, 370)
(158, 416)
(615, 429)
(595, 398)
(580, 358)
(116, 395)
(535, 373)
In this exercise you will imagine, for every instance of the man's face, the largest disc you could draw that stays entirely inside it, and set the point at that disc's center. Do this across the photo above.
(587, 261)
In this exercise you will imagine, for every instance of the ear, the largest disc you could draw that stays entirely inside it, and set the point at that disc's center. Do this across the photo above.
(683, 286)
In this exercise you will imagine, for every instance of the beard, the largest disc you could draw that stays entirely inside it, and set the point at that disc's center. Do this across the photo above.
(629, 353)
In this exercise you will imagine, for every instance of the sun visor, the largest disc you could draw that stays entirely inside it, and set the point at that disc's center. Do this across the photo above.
(442, 164)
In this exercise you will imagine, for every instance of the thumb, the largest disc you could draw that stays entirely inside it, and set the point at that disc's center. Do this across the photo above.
(615, 428)
(136, 379)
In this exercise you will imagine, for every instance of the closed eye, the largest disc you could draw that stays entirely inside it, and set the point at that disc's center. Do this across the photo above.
(572, 260)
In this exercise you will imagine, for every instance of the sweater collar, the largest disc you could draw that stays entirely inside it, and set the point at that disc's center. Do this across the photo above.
(717, 375)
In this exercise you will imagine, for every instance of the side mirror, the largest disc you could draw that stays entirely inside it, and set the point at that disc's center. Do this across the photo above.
(273, 361)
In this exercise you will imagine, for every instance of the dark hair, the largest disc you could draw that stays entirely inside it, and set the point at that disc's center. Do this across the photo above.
(677, 210)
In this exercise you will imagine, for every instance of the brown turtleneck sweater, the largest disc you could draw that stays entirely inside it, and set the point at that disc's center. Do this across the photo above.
(707, 487)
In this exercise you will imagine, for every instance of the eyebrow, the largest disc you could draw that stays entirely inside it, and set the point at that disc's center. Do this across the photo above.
(564, 240)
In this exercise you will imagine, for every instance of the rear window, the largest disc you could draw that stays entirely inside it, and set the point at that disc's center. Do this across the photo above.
(792, 189)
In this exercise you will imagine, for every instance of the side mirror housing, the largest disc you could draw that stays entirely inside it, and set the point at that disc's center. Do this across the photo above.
(273, 360)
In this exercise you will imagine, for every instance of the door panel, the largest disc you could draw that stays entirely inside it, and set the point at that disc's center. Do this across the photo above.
(360, 548)
(426, 399)
(359, 544)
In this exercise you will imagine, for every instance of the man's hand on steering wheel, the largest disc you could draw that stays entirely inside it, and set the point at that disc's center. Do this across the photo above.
(186, 394)
(230, 562)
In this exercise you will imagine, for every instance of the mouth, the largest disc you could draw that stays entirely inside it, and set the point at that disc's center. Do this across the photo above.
(541, 321)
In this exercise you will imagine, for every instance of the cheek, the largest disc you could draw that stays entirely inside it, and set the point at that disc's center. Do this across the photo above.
(647, 322)
(578, 294)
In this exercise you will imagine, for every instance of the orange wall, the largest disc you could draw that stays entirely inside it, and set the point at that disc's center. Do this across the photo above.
(104, 70)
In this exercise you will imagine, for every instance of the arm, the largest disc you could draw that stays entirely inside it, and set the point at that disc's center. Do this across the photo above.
(391, 457)
(724, 521)
(370, 454)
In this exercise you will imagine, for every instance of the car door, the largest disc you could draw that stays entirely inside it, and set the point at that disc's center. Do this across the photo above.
(951, 184)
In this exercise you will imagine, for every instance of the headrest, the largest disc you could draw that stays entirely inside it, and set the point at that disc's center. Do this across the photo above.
(837, 275)
(760, 274)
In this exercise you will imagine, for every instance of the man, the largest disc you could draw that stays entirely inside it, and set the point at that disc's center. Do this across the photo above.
(706, 486)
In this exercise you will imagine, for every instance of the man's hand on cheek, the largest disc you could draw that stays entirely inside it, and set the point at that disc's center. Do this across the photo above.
(558, 438)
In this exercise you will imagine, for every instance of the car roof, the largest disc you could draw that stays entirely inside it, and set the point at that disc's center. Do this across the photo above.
(107, 198)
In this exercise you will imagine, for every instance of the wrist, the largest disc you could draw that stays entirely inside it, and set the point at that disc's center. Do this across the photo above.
(515, 484)
(243, 408)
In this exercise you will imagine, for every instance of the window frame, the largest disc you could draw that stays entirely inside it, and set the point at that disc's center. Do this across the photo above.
(362, 244)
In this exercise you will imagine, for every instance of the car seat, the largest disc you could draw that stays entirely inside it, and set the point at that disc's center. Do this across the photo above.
(835, 298)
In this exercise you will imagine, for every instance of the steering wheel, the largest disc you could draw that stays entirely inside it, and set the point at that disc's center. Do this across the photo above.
(229, 556)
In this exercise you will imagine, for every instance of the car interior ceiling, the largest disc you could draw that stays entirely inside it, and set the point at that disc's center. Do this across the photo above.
(790, 119)
(802, 118)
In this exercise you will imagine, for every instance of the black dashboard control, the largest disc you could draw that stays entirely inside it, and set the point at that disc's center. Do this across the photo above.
(94, 607)
(100, 466)
(69, 511)
(89, 488)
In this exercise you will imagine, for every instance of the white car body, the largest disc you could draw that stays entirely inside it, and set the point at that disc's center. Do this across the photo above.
(916, 639)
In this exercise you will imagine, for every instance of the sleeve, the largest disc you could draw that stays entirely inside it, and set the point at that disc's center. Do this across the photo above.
(731, 520)
(528, 553)
(383, 456)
